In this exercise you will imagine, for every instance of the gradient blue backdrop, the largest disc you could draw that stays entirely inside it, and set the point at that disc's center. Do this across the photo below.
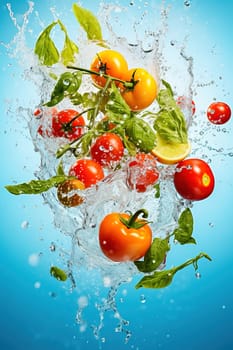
(191, 313)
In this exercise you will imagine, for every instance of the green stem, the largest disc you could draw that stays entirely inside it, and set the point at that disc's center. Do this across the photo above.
(192, 261)
(127, 84)
(132, 222)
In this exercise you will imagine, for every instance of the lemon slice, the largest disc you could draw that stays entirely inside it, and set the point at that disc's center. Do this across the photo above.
(170, 153)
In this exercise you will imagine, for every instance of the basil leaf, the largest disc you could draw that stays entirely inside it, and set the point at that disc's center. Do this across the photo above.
(86, 142)
(36, 186)
(116, 107)
(88, 22)
(170, 122)
(183, 233)
(155, 256)
(70, 48)
(45, 47)
(140, 132)
(58, 273)
(60, 169)
(159, 279)
(68, 84)
(157, 190)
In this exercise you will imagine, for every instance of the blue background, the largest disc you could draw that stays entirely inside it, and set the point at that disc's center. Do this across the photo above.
(190, 314)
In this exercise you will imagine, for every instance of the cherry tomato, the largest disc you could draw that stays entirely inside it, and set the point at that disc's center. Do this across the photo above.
(186, 104)
(66, 192)
(88, 171)
(143, 93)
(194, 179)
(122, 238)
(218, 113)
(63, 126)
(107, 149)
(108, 62)
(142, 172)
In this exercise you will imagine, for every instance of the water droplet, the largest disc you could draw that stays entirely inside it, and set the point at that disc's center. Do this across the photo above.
(172, 42)
(25, 224)
(82, 301)
(33, 259)
(131, 3)
(142, 299)
(103, 340)
(187, 3)
(37, 285)
(52, 247)
(223, 307)
(198, 275)
(52, 294)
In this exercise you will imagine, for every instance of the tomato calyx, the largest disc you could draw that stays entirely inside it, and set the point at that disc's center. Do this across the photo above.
(132, 221)
(130, 85)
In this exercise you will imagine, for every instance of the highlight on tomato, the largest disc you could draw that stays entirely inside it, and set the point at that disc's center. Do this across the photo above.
(194, 179)
(87, 171)
(144, 89)
(107, 149)
(108, 62)
(125, 237)
(218, 113)
(67, 192)
(142, 172)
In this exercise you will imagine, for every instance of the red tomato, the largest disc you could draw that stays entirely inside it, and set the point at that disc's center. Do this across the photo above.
(142, 172)
(108, 62)
(143, 93)
(122, 242)
(186, 104)
(63, 126)
(88, 171)
(107, 149)
(218, 113)
(194, 179)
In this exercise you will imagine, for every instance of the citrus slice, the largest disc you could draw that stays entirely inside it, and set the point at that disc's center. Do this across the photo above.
(170, 153)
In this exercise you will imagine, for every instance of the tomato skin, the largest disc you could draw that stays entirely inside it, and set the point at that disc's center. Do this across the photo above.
(60, 128)
(143, 93)
(120, 243)
(142, 172)
(108, 62)
(65, 195)
(194, 179)
(107, 148)
(218, 113)
(88, 171)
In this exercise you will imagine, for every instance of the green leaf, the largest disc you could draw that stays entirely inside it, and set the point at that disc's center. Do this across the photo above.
(157, 190)
(88, 22)
(86, 142)
(70, 49)
(45, 47)
(68, 84)
(60, 169)
(183, 233)
(58, 273)
(141, 134)
(155, 256)
(36, 186)
(116, 107)
(159, 279)
(170, 122)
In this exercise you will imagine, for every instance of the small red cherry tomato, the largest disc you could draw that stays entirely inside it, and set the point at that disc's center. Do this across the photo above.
(88, 171)
(194, 179)
(124, 237)
(218, 113)
(142, 172)
(107, 149)
(68, 123)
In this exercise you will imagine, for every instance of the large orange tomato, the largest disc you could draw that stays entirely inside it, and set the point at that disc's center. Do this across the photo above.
(144, 89)
(124, 237)
(108, 62)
